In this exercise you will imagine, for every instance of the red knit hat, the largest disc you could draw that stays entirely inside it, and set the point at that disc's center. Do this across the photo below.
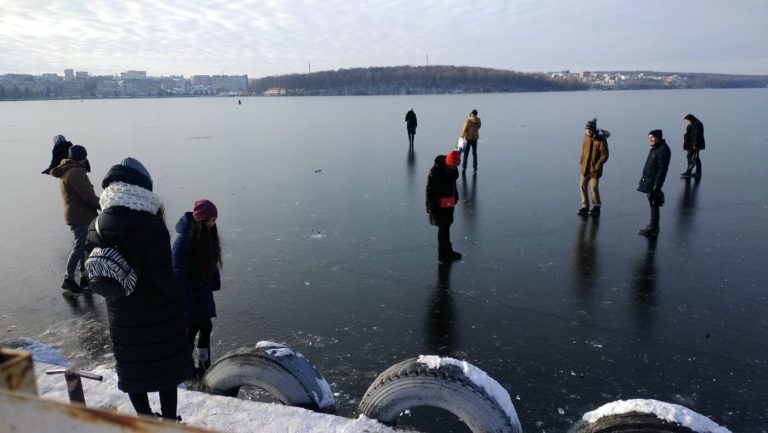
(453, 159)
(204, 210)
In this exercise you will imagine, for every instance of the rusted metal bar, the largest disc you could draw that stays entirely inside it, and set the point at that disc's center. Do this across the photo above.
(74, 384)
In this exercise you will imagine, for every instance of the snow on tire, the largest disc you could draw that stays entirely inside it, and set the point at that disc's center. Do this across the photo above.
(279, 370)
(644, 416)
(455, 386)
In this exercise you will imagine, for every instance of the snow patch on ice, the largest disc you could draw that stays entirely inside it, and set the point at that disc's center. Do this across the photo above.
(43, 353)
(280, 352)
(666, 411)
(479, 378)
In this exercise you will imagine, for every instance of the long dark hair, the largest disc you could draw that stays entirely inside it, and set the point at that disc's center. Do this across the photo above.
(205, 250)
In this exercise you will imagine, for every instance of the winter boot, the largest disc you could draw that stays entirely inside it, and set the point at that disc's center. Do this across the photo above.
(453, 255)
(595, 212)
(583, 211)
(685, 174)
(203, 359)
(70, 287)
(648, 231)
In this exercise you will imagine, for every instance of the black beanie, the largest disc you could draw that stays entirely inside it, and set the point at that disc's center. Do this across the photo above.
(656, 133)
(77, 152)
(592, 125)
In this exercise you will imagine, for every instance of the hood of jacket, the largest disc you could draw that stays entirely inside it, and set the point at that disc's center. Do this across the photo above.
(184, 225)
(64, 166)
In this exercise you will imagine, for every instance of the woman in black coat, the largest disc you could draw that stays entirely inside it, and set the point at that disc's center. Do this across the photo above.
(197, 262)
(147, 328)
(442, 197)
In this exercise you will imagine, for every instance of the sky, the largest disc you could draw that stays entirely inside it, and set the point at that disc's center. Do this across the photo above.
(273, 37)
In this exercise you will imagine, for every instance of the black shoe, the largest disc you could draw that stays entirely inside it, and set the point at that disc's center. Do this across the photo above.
(583, 211)
(595, 212)
(648, 231)
(686, 174)
(70, 287)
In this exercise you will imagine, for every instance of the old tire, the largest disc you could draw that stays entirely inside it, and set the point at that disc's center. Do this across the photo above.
(633, 422)
(282, 372)
(410, 384)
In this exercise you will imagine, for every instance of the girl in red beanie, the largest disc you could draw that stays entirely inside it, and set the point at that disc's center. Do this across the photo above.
(442, 197)
(197, 262)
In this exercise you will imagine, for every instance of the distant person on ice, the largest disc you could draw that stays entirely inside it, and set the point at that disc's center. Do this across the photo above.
(654, 174)
(196, 263)
(80, 208)
(693, 142)
(442, 197)
(148, 329)
(594, 154)
(470, 132)
(59, 152)
(410, 125)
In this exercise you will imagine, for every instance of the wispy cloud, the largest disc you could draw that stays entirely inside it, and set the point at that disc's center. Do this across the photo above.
(274, 37)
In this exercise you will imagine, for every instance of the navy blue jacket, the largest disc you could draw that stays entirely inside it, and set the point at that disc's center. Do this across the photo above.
(655, 169)
(198, 294)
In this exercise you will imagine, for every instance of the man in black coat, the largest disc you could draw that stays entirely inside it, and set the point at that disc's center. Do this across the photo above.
(442, 197)
(654, 174)
(693, 142)
(410, 124)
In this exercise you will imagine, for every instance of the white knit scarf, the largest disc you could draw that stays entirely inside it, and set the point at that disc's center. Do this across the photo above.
(131, 196)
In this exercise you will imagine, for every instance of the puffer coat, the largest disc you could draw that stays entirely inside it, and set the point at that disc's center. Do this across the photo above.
(80, 202)
(594, 154)
(655, 169)
(441, 183)
(198, 295)
(694, 136)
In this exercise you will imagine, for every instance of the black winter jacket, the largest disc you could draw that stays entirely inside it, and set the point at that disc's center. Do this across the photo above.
(198, 294)
(441, 183)
(694, 136)
(655, 169)
(148, 328)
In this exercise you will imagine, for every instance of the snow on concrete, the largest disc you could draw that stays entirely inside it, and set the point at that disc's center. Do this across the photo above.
(479, 378)
(666, 411)
(197, 409)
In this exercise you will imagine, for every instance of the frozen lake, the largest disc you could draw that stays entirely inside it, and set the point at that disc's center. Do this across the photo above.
(328, 248)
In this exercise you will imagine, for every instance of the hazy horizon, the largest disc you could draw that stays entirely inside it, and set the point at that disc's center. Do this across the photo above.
(172, 37)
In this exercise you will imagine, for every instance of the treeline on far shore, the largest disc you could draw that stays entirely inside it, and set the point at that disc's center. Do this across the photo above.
(398, 80)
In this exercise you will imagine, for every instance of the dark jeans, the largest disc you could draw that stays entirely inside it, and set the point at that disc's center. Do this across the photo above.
(655, 214)
(77, 256)
(470, 145)
(443, 238)
(168, 401)
(204, 327)
(693, 161)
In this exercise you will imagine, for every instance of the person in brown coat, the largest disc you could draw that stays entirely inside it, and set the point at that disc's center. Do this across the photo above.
(470, 132)
(594, 154)
(80, 206)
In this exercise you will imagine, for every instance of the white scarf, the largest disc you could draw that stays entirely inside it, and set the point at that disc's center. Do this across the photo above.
(131, 196)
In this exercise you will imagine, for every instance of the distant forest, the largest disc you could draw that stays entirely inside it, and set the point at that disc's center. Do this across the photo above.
(399, 80)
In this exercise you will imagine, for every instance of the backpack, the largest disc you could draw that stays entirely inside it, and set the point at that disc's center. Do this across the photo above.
(109, 274)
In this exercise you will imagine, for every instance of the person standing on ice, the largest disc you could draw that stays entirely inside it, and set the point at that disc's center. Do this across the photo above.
(654, 174)
(60, 152)
(196, 263)
(442, 197)
(470, 132)
(594, 154)
(147, 328)
(80, 208)
(693, 143)
(410, 125)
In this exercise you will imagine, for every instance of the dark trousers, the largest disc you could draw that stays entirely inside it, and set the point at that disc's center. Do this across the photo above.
(655, 215)
(443, 238)
(470, 145)
(77, 256)
(140, 402)
(693, 161)
(204, 327)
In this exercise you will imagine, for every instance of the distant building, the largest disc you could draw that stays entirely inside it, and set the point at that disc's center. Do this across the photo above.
(69, 74)
(81, 75)
(229, 83)
(201, 80)
(133, 75)
(275, 91)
